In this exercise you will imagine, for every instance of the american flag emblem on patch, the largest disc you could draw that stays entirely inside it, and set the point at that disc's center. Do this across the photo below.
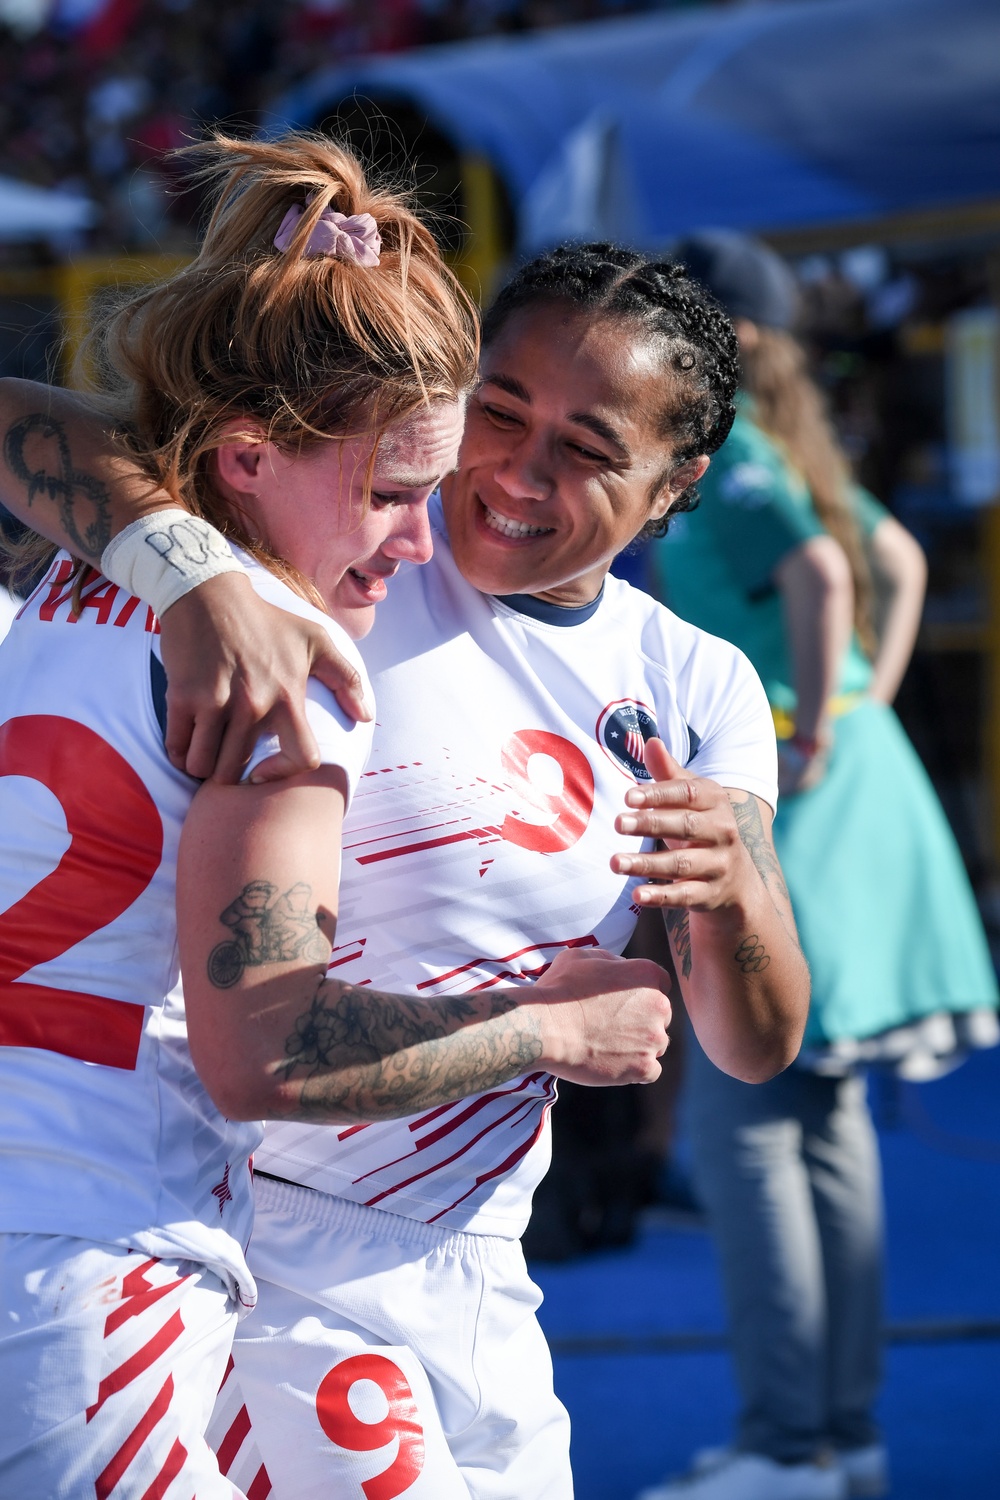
(622, 730)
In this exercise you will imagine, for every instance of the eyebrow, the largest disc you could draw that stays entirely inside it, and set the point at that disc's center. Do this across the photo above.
(407, 481)
(600, 429)
(596, 425)
(510, 385)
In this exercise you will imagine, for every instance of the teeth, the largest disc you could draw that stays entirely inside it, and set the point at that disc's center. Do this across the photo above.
(512, 528)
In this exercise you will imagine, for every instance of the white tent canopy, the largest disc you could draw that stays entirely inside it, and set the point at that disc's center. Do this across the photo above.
(33, 213)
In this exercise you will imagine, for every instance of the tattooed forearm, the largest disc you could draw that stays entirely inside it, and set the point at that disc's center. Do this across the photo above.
(268, 928)
(375, 1056)
(751, 955)
(753, 834)
(82, 500)
(678, 923)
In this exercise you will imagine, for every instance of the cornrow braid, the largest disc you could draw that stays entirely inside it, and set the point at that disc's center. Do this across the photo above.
(700, 348)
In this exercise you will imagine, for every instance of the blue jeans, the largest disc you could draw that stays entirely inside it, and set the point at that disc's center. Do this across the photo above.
(789, 1174)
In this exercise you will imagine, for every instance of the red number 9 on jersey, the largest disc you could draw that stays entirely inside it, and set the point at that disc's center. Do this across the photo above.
(568, 810)
(348, 1431)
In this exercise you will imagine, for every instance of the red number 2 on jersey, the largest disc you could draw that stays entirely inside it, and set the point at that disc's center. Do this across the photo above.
(568, 810)
(116, 841)
(348, 1431)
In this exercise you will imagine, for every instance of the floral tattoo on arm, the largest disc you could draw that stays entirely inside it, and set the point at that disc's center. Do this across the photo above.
(376, 1055)
(358, 1052)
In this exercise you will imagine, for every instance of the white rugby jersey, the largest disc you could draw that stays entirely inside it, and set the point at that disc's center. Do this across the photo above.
(106, 1132)
(479, 842)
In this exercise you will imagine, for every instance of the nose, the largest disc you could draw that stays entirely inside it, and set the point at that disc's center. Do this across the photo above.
(523, 472)
(410, 539)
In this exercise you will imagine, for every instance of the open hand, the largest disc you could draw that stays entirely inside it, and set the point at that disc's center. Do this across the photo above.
(701, 862)
(237, 666)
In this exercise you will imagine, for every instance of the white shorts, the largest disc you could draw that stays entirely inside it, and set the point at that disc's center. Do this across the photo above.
(388, 1357)
(109, 1366)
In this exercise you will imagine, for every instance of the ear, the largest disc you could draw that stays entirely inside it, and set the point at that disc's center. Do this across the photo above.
(244, 457)
(677, 481)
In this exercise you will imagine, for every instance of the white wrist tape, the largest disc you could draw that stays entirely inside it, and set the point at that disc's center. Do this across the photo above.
(163, 556)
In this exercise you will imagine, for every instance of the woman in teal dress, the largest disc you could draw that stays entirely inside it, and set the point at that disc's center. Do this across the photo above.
(822, 589)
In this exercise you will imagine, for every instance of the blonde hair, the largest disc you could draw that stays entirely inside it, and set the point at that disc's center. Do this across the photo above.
(790, 408)
(303, 348)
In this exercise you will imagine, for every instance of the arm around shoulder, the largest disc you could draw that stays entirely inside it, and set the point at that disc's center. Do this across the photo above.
(61, 473)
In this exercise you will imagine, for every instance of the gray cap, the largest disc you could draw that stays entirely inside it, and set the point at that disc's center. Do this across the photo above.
(750, 280)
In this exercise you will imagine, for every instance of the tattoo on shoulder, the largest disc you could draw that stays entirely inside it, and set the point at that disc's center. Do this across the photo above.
(678, 924)
(751, 955)
(267, 927)
(377, 1054)
(753, 834)
(83, 501)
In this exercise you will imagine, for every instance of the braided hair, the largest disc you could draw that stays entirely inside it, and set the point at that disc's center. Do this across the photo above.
(700, 348)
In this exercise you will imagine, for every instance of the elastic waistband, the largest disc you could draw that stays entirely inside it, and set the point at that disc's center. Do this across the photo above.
(324, 1210)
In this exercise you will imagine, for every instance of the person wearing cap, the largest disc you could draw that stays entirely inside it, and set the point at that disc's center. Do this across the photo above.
(785, 557)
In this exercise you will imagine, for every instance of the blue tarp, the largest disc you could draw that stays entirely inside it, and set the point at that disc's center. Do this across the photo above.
(771, 115)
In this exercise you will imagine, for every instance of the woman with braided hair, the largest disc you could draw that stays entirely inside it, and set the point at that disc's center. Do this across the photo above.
(556, 757)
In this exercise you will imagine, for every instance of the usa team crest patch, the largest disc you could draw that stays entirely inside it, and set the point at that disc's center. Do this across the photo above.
(622, 732)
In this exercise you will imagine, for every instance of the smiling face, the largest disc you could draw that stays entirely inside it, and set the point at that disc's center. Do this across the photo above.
(310, 508)
(563, 461)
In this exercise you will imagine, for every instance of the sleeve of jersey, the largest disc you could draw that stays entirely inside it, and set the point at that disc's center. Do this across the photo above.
(736, 730)
(341, 741)
(761, 515)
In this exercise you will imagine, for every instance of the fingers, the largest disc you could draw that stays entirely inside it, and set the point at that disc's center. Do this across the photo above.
(661, 764)
(343, 680)
(234, 751)
(177, 740)
(693, 825)
(645, 974)
(681, 790)
(673, 864)
(694, 895)
(208, 729)
(651, 1071)
(298, 748)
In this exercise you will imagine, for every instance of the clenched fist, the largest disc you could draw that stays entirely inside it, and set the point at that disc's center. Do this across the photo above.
(603, 1019)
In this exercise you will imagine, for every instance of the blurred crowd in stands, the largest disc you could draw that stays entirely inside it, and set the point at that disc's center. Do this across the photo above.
(94, 92)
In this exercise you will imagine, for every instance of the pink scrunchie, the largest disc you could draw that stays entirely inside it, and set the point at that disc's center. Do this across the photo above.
(349, 236)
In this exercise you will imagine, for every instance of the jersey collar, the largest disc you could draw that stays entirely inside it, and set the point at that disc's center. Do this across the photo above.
(551, 614)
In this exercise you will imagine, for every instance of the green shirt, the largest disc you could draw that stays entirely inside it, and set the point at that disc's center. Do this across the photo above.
(716, 565)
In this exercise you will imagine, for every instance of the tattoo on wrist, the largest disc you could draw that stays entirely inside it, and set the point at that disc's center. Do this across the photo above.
(753, 835)
(82, 500)
(751, 955)
(375, 1055)
(267, 928)
(678, 923)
